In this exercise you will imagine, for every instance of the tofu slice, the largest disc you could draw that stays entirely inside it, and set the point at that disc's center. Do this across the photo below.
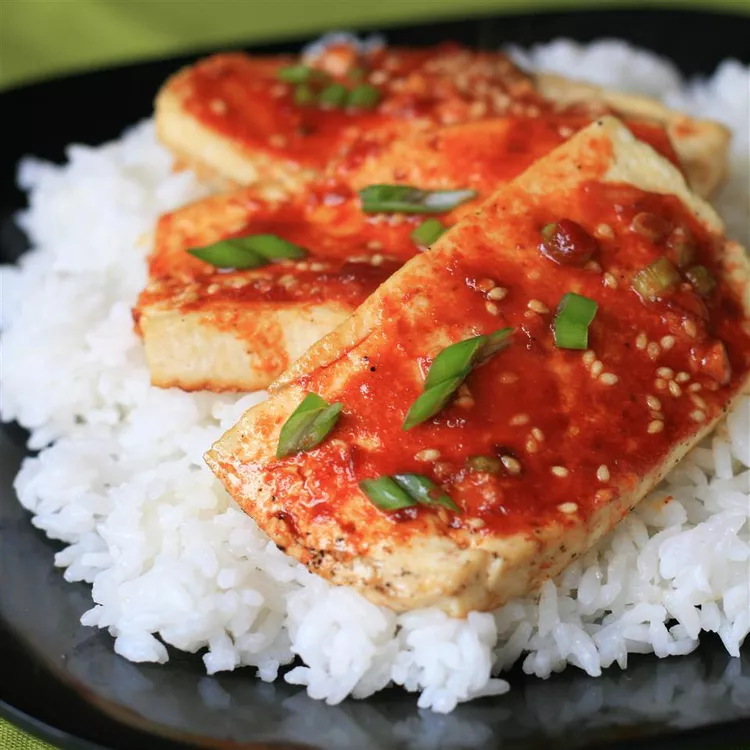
(579, 436)
(216, 331)
(229, 117)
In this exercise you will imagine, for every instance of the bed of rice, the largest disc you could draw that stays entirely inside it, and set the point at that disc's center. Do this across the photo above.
(121, 482)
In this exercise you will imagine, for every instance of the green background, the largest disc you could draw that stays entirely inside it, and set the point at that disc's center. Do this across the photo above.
(43, 38)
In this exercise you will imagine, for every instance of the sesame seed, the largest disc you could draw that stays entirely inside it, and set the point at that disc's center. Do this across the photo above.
(303, 265)
(610, 280)
(589, 358)
(657, 415)
(665, 372)
(602, 473)
(675, 389)
(559, 471)
(464, 402)
(695, 387)
(476, 523)
(519, 419)
(507, 378)
(532, 446)
(464, 390)
(497, 293)
(682, 377)
(485, 285)
(697, 415)
(698, 401)
(653, 402)
(219, 107)
(567, 507)
(376, 259)
(604, 496)
(593, 266)
(660, 384)
(512, 465)
(608, 378)
(317, 266)
(689, 327)
(667, 342)
(492, 308)
(537, 306)
(596, 368)
(537, 434)
(428, 454)
(641, 341)
(375, 245)
(533, 275)
(604, 231)
(653, 349)
(656, 426)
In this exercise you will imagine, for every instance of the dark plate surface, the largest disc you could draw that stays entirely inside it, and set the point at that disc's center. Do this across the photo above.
(63, 682)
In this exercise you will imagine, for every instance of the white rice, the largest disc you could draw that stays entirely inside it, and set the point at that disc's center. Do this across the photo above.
(121, 482)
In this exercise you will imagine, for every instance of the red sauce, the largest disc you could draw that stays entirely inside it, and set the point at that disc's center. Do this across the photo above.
(532, 402)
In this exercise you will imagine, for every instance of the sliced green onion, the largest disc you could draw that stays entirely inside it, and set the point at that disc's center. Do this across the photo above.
(431, 401)
(572, 321)
(485, 464)
(301, 74)
(248, 252)
(386, 494)
(308, 425)
(681, 247)
(304, 95)
(364, 96)
(333, 95)
(410, 200)
(428, 232)
(424, 490)
(449, 369)
(701, 279)
(653, 281)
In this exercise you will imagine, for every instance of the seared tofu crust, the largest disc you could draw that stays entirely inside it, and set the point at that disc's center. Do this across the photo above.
(577, 437)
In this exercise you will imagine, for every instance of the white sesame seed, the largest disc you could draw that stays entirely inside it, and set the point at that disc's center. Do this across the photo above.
(656, 426)
(675, 389)
(689, 327)
(519, 419)
(682, 377)
(464, 402)
(512, 465)
(660, 384)
(610, 280)
(653, 349)
(533, 275)
(589, 358)
(486, 285)
(604, 231)
(698, 401)
(497, 293)
(602, 473)
(219, 107)
(537, 306)
(492, 308)
(608, 378)
(532, 446)
(656, 415)
(695, 387)
(567, 507)
(593, 266)
(428, 454)
(604, 496)
(665, 372)
(697, 415)
(559, 471)
(537, 434)
(476, 523)
(641, 341)
(375, 245)
(376, 260)
(303, 265)
(596, 368)
(317, 266)
(653, 402)
(667, 342)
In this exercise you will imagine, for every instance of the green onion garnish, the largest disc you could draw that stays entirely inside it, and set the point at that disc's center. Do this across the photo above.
(410, 200)
(428, 232)
(681, 247)
(405, 491)
(248, 252)
(701, 279)
(449, 369)
(308, 425)
(653, 281)
(333, 95)
(572, 321)
(301, 74)
(364, 96)
(304, 95)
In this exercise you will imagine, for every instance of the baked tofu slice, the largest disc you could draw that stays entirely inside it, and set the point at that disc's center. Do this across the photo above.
(217, 331)
(233, 119)
(541, 449)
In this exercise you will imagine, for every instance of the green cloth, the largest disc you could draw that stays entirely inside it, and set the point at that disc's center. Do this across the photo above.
(42, 38)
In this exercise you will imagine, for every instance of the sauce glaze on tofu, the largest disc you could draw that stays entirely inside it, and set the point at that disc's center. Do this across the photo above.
(575, 438)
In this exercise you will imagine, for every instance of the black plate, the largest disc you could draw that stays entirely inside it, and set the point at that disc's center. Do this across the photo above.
(63, 682)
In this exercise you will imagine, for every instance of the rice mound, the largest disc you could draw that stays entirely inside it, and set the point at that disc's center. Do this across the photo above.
(171, 559)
